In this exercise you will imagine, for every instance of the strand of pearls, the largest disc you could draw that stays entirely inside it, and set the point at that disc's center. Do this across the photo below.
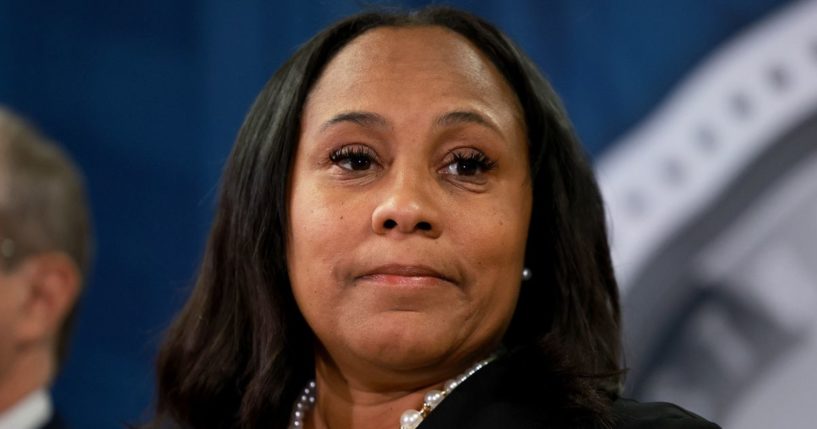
(305, 403)
(410, 418)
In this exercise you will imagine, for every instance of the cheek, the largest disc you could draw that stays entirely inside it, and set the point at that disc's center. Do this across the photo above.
(323, 229)
(322, 224)
(494, 244)
(311, 223)
(501, 251)
(496, 237)
(8, 311)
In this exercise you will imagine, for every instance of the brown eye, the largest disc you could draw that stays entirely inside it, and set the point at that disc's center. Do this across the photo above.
(465, 167)
(470, 164)
(353, 158)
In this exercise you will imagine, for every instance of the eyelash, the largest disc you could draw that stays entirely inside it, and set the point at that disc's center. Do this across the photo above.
(479, 159)
(361, 158)
(352, 154)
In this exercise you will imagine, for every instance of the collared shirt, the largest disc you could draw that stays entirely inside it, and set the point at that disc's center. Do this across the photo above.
(30, 413)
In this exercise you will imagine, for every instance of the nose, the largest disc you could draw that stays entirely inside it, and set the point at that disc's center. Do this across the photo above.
(407, 208)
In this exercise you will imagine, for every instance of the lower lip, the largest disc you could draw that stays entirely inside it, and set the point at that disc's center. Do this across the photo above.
(403, 281)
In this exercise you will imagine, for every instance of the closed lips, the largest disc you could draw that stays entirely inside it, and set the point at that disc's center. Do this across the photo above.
(406, 271)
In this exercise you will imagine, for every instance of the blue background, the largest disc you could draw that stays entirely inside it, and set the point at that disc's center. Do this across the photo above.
(148, 95)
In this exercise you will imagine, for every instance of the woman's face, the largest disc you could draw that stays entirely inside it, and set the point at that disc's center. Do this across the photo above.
(410, 201)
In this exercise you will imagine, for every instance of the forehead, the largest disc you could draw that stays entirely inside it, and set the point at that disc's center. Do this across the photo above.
(411, 63)
(423, 49)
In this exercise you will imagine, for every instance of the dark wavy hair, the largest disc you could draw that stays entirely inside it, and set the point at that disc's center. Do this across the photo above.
(240, 351)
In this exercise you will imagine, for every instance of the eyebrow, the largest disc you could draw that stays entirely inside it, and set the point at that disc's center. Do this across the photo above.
(364, 119)
(459, 117)
(373, 120)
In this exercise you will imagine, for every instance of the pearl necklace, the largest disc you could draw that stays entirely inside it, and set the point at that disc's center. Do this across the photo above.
(304, 404)
(410, 418)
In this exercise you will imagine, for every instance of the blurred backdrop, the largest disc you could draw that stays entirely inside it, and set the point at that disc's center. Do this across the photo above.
(700, 115)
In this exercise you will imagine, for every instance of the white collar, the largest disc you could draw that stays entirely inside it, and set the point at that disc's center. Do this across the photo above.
(31, 412)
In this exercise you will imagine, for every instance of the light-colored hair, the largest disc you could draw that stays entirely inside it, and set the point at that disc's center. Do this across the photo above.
(43, 206)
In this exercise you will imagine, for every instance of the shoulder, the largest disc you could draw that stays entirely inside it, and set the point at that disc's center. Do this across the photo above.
(629, 414)
(521, 391)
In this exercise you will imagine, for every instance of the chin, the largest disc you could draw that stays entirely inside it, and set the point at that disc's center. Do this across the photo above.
(404, 342)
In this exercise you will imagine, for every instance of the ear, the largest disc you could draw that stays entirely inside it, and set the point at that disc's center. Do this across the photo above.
(53, 284)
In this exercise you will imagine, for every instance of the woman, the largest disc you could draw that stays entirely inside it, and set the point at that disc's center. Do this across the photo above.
(408, 234)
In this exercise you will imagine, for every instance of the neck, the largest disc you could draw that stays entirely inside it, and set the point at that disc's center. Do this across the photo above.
(364, 403)
(346, 403)
(25, 374)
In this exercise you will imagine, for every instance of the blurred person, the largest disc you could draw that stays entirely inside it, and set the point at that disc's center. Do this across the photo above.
(44, 252)
(408, 236)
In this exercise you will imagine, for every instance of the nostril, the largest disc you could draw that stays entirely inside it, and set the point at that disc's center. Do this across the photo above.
(389, 224)
(424, 226)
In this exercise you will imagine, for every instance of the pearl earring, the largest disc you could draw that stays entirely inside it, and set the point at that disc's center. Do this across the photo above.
(526, 274)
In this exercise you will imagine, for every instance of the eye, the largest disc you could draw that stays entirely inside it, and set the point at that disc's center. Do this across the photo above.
(353, 158)
(471, 163)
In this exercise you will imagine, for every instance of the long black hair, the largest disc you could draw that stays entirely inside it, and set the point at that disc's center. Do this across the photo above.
(240, 351)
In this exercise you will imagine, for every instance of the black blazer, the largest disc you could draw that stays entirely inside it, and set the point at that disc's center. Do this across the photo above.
(519, 391)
